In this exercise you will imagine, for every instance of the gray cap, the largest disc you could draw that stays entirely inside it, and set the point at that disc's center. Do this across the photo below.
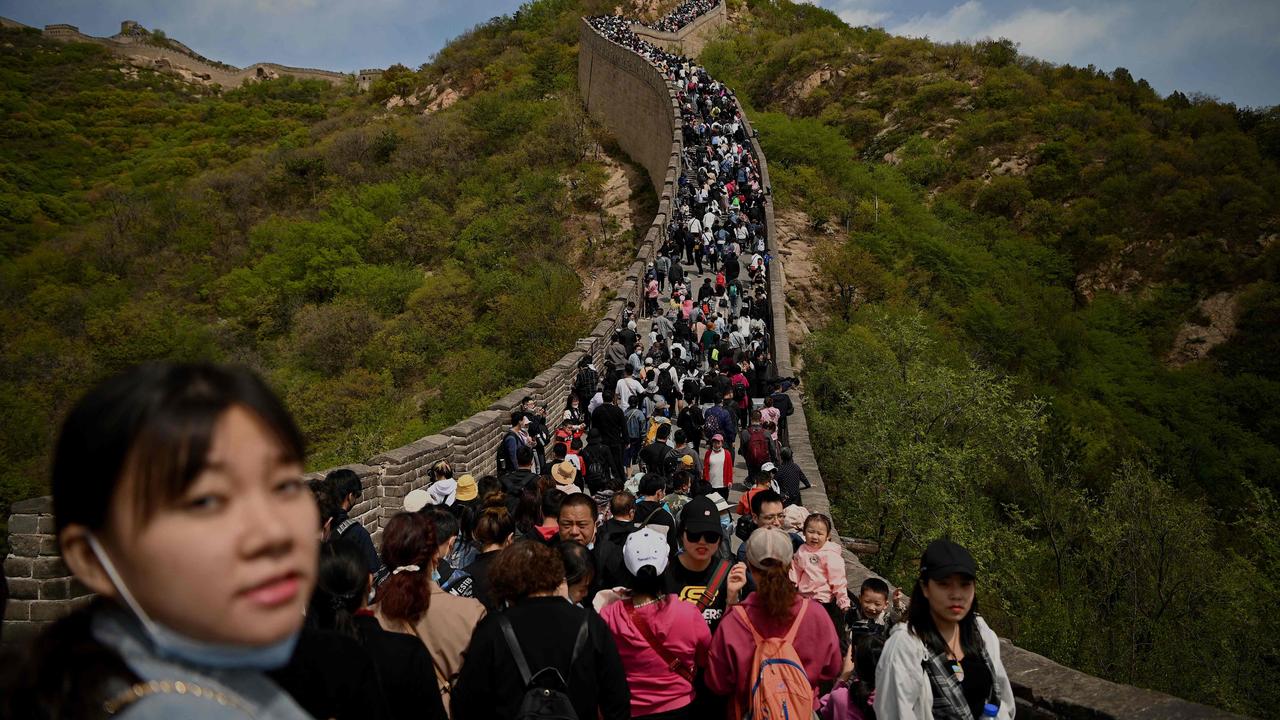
(768, 544)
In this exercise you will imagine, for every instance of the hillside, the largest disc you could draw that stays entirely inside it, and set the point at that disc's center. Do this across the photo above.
(1043, 302)
(391, 264)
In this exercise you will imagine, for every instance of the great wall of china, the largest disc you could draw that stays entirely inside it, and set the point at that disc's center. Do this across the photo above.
(637, 105)
(138, 48)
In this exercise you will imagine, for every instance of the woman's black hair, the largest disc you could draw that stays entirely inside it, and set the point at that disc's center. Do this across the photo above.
(921, 624)
(342, 583)
(866, 656)
(578, 563)
(647, 581)
(158, 419)
(528, 511)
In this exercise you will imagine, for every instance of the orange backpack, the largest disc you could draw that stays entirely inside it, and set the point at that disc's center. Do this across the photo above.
(781, 690)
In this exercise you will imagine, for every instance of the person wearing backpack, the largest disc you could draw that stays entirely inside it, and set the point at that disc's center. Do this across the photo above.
(773, 649)
(662, 641)
(756, 446)
(543, 656)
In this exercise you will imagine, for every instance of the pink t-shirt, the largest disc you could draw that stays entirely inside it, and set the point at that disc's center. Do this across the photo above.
(677, 626)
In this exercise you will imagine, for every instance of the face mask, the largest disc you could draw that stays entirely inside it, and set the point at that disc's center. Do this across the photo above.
(725, 522)
(170, 644)
(435, 576)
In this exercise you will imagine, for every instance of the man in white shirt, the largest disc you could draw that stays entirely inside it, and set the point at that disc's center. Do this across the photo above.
(627, 387)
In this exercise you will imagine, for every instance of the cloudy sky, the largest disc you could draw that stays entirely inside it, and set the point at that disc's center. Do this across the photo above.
(1226, 48)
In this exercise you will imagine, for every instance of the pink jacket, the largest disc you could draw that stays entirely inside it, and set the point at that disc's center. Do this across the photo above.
(729, 664)
(819, 574)
(676, 625)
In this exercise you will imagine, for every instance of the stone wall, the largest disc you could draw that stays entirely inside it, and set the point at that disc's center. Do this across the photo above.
(691, 38)
(1044, 689)
(163, 58)
(627, 95)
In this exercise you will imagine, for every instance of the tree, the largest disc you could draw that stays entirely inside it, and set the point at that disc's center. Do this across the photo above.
(854, 274)
(911, 439)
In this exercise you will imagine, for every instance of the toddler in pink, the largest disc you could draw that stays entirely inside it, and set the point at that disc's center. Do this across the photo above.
(817, 569)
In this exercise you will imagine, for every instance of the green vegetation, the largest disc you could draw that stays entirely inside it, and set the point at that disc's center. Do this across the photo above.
(390, 272)
(995, 365)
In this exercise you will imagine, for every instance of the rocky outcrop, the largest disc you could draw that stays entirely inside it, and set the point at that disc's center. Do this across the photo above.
(1214, 323)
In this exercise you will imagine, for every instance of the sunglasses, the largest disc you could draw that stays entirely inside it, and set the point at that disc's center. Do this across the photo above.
(711, 537)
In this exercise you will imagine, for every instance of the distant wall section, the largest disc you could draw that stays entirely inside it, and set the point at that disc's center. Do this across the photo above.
(691, 38)
(176, 60)
(627, 95)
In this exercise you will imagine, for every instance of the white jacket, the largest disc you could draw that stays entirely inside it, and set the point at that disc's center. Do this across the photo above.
(902, 688)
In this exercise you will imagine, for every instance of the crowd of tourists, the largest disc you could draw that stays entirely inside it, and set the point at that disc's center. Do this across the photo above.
(683, 14)
(601, 571)
(228, 587)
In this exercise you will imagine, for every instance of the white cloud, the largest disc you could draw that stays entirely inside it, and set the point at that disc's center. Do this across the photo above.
(855, 12)
(1058, 35)
(858, 16)
(960, 22)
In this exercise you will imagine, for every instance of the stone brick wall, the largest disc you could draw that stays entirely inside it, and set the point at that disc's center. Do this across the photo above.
(227, 76)
(691, 38)
(40, 587)
(1044, 689)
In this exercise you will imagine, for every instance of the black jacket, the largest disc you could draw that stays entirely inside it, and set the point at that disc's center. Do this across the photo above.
(517, 481)
(611, 421)
(490, 687)
(404, 666)
(332, 676)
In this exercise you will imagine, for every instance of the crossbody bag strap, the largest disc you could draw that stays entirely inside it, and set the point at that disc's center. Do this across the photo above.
(673, 663)
(345, 525)
(510, 634)
(717, 579)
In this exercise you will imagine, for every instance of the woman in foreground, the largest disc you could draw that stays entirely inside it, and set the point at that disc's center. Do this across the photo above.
(178, 499)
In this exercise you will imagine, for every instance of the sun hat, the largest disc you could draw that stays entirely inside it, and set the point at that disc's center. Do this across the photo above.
(646, 547)
(416, 500)
(564, 473)
(467, 489)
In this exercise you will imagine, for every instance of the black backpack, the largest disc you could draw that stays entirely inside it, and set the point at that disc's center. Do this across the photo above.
(667, 386)
(541, 702)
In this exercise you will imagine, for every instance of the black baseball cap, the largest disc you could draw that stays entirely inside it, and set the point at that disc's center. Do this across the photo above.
(943, 558)
(700, 515)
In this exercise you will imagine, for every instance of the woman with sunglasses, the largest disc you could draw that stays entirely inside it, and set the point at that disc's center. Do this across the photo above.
(700, 576)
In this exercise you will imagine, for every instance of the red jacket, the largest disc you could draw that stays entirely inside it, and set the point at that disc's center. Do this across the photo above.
(727, 476)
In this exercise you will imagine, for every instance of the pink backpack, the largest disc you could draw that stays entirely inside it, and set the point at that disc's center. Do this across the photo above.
(781, 690)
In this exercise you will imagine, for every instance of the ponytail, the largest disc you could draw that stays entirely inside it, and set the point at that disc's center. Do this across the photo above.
(774, 587)
(408, 549)
(342, 584)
